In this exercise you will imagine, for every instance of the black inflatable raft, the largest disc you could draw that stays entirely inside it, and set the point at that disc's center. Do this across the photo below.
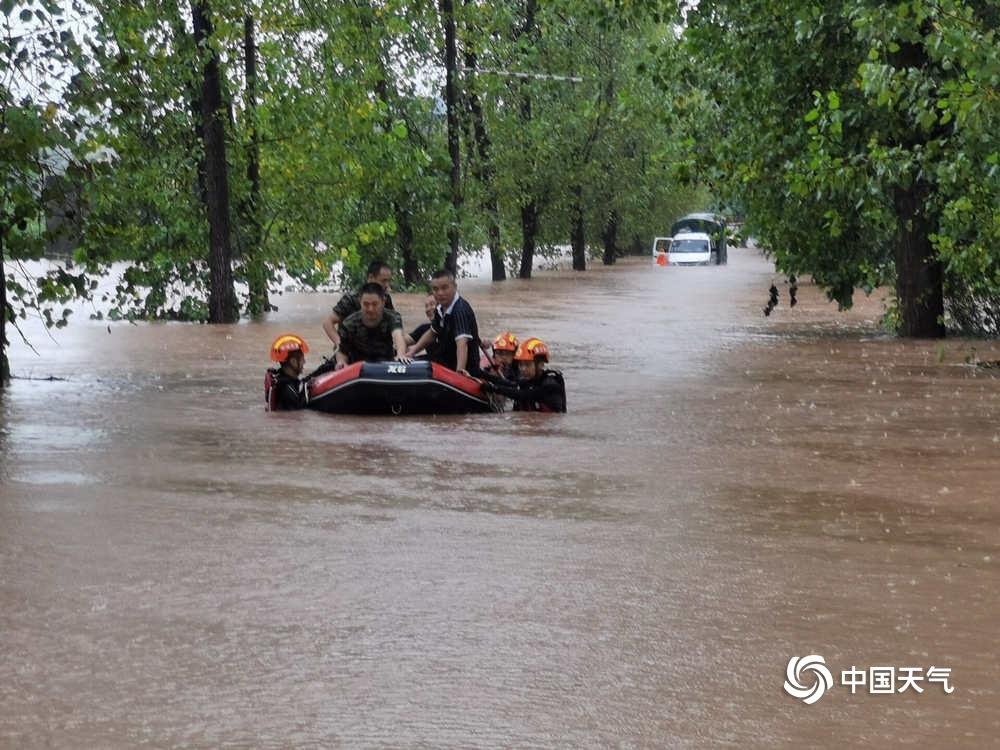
(394, 388)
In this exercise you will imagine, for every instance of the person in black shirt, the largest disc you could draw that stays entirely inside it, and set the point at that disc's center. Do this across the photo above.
(537, 387)
(430, 305)
(379, 273)
(454, 328)
(283, 389)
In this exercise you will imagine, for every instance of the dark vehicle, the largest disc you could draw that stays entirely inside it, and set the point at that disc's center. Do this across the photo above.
(711, 224)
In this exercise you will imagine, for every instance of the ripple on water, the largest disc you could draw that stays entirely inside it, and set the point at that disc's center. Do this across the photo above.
(52, 477)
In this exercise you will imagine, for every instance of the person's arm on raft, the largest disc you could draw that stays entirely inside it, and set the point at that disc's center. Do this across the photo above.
(347, 304)
(330, 325)
(427, 338)
(342, 355)
(462, 354)
(547, 391)
(499, 384)
(399, 343)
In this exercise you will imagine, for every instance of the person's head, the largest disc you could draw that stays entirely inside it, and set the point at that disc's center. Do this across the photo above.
(372, 303)
(380, 273)
(429, 306)
(290, 351)
(531, 356)
(443, 287)
(504, 347)
(295, 363)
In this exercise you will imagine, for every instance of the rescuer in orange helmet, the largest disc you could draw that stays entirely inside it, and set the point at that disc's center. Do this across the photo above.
(502, 364)
(283, 387)
(537, 388)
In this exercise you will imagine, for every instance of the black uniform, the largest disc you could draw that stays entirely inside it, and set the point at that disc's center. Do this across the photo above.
(460, 320)
(419, 331)
(507, 372)
(547, 392)
(285, 392)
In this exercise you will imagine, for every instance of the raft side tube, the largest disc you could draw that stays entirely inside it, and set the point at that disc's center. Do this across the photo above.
(394, 388)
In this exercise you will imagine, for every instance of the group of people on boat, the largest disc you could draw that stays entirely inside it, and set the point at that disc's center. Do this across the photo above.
(365, 327)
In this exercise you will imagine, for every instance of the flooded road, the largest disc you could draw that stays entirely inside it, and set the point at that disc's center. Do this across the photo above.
(180, 569)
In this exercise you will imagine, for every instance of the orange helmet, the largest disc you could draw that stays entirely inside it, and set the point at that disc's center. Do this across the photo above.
(505, 342)
(285, 344)
(532, 350)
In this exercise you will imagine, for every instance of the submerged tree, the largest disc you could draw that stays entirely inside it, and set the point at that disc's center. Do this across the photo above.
(852, 133)
(39, 167)
(231, 142)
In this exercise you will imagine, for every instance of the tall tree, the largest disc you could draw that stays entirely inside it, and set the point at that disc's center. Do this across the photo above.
(256, 269)
(527, 36)
(454, 147)
(39, 167)
(482, 160)
(844, 133)
(222, 307)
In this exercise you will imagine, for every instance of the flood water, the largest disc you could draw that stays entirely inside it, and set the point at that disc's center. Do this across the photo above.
(179, 568)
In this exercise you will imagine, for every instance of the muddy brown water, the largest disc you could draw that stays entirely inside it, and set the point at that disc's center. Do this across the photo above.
(180, 569)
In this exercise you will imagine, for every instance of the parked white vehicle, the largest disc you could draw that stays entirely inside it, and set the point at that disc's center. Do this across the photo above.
(691, 249)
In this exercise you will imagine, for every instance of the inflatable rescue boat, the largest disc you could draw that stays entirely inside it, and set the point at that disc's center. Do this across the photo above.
(395, 388)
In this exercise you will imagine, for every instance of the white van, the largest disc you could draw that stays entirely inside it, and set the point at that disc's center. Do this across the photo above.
(660, 245)
(691, 249)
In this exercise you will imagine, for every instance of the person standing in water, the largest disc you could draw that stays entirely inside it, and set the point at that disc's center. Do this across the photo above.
(502, 364)
(537, 388)
(284, 389)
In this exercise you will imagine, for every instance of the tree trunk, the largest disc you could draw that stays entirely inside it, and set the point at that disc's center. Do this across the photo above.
(578, 239)
(451, 107)
(493, 238)
(256, 269)
(485, 171)
(610, 237)
(404, 221)
(529, 209)
(919, 275)
(186, 47)
(404, 235)
(4, 363)
(486, 174)
(529, 230)
(222, 307)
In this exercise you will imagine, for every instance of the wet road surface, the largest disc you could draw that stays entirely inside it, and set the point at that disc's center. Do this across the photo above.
(180, 569)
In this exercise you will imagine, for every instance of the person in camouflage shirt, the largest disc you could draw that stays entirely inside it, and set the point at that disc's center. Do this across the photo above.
(378, 272)
(373, 333)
